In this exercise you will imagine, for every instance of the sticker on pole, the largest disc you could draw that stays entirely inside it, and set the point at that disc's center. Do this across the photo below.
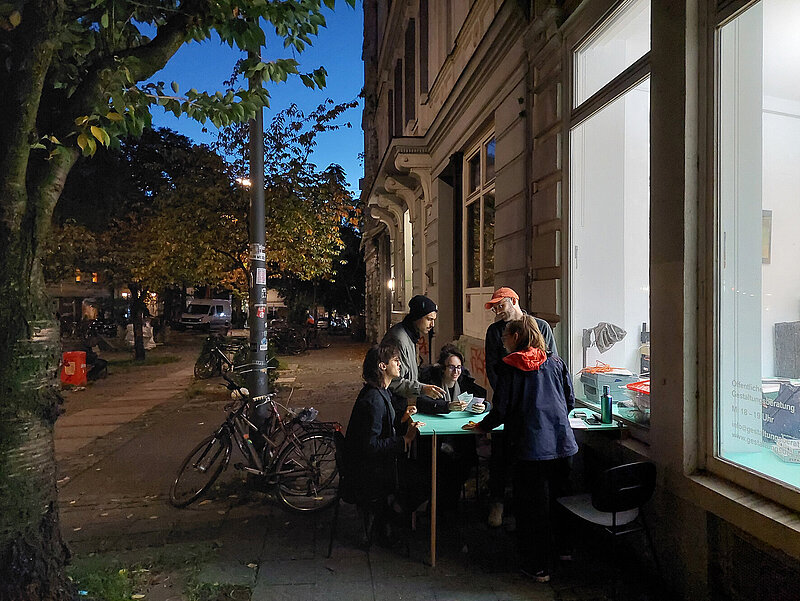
(257, 252)
(261, 276)
(261, 311)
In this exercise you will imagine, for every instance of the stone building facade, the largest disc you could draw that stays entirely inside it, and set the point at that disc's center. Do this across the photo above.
(610, 160)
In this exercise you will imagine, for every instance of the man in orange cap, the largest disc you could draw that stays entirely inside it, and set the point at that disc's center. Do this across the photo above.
(505, 305)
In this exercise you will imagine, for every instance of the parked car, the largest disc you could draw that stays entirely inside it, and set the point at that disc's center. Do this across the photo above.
(206, 314)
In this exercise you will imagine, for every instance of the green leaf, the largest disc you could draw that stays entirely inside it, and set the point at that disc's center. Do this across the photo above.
(104, 21)
(175, 87)
(330, 4)
(112, 116)
(83, 141)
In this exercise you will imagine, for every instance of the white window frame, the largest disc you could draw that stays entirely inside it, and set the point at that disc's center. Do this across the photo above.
(579, 34)
(761, 484)
(476, 318)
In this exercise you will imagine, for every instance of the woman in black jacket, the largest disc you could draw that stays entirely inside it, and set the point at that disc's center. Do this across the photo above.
(375, 450)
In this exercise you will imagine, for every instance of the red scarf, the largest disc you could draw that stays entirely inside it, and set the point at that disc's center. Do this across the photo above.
(528, 360)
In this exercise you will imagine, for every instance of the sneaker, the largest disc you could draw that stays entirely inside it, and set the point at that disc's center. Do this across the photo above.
(496, 515)
(537, 575)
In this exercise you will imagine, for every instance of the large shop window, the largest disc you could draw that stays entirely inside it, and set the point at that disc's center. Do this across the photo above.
(609, 213)
(758, 246)
(478, 236)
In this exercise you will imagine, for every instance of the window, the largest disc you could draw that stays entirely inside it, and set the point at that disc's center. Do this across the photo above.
(757, 400)
(410, 83)
(609, 216)
(478, 258)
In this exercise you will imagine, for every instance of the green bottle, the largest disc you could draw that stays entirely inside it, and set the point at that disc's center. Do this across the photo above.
(605, 406)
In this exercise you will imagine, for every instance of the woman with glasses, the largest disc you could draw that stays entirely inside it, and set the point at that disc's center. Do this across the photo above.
(456, 453)
(451, 376)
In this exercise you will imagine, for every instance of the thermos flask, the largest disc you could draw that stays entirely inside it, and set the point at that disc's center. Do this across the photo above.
(605, 406)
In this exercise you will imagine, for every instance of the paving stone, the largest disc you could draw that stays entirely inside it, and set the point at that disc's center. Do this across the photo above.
(344, 591)
(283, 592)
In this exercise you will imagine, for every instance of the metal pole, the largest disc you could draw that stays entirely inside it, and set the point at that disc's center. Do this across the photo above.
(257, 380)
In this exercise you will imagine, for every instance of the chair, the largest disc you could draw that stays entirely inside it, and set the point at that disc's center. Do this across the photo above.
(341, 495)
(615, 502)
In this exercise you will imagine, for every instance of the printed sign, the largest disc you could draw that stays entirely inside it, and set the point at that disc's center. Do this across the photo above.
(261, 275)
(261, 311)
(257, 252)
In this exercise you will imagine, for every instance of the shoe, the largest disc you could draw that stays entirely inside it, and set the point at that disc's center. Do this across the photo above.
(495, 515)
(537, 575)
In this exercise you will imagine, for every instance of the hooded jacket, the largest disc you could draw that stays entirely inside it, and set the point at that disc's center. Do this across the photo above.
(404, 336)
(533, 399)
(493, 346)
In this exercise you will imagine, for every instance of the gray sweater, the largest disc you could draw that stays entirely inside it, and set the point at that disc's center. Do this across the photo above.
(407, 385)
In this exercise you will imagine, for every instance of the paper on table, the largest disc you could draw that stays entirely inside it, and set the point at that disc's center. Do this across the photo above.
(577, 423)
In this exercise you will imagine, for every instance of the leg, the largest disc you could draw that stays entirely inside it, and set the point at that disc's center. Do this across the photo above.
(497, 480)
(531, 507)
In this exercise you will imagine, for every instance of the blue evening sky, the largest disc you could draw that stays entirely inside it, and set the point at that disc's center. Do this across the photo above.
(337, 47)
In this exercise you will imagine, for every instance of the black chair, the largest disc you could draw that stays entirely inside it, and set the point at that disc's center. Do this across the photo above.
(615, 502)
(342, 495)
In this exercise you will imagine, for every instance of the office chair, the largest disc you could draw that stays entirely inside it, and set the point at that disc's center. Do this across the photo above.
(615, 503)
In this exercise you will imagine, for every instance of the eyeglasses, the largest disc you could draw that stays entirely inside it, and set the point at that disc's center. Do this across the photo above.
(454, 367)
(500, 306)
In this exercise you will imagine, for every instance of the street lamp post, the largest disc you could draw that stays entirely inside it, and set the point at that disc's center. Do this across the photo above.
(257, 381)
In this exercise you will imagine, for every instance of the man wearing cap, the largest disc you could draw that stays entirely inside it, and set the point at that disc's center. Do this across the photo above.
(405, 335)
(505, 305)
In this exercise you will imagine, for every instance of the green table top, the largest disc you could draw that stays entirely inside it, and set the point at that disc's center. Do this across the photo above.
(450, 423)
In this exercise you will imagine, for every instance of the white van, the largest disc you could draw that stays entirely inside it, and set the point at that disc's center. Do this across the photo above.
(207, 314)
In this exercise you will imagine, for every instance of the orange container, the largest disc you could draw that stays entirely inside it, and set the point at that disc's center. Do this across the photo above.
(73, 368)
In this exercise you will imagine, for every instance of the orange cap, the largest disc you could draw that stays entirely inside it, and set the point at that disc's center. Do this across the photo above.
(499, 295)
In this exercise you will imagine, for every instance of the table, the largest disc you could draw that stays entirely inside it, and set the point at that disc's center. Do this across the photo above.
(451, 423)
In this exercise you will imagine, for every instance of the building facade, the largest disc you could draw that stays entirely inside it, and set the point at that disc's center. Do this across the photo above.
(629, 168)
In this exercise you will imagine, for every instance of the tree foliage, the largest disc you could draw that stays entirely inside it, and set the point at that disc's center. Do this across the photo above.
(73, 79)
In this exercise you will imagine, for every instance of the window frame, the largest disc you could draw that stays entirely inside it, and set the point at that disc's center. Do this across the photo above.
(762, 484)
(485, 188)
(578, 30)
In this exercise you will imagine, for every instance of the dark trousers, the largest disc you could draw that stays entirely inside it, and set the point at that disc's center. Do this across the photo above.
(497, 468)
(537, 485)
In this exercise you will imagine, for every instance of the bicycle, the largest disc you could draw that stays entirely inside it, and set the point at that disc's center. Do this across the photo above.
(210, 364)
(317, 338)
(288, 340)
(297, 456)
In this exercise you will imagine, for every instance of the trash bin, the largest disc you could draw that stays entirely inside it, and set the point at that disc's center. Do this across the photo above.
(73, 368)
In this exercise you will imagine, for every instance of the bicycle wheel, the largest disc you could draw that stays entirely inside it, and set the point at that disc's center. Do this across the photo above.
(322, 340)
(200, 469)
(296, 343)
(306, 472)
(205, 367)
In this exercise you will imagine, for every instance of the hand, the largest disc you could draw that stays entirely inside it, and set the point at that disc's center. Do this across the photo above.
(432, 391)
(478, 408)
(410, 410)
(411, 433)
(471, 425)
(457, 405)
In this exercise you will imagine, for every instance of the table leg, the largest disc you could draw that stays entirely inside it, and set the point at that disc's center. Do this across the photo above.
(434, 448)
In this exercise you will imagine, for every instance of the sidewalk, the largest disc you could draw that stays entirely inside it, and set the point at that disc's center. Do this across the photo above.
(117, 459)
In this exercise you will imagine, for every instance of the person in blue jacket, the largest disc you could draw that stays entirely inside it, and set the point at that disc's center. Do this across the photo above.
(533, 399)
